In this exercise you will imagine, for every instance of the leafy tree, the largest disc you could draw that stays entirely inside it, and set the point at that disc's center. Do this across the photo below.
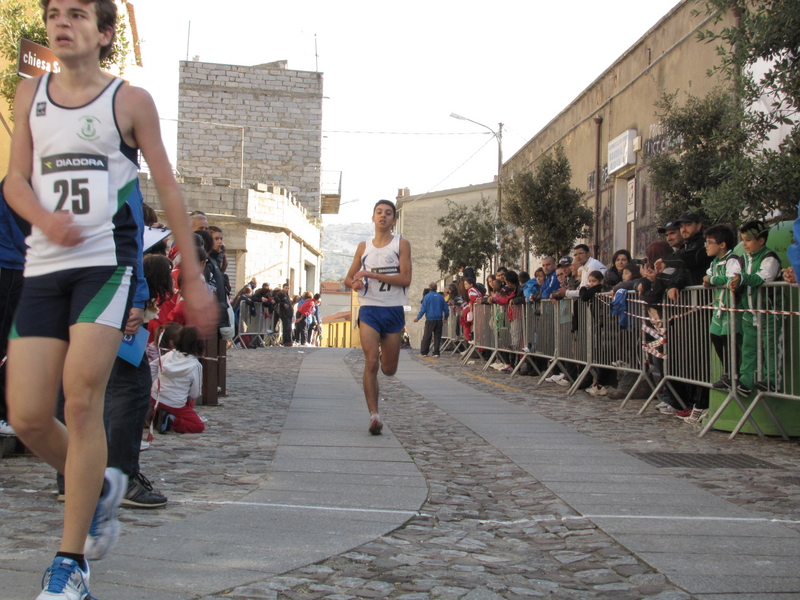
(765, 37)
(708, 152)
(472, 235)
(546, 208)
(23, 19)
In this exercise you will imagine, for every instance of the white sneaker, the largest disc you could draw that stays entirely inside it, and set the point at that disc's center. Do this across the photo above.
(592, 391)
(65, 580)
(555, 378)
(6, 430)
(144, 446)
(667, 410)
(602, 390)
(375, 424)
(104, 530)
(697, 415)
(563, 383)
(661, 405)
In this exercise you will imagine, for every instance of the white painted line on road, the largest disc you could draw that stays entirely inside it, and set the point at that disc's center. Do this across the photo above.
(411, 513)
(546, 518)
(687, 518)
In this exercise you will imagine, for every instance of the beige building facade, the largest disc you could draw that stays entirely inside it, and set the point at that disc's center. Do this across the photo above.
(417, 216)
(611, 129)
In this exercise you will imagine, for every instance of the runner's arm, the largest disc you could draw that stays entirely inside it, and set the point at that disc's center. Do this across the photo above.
(350, 281)
(57, 226)
(140, 111)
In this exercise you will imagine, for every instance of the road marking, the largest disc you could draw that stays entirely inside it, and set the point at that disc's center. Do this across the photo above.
(505, 387)
(411, 513)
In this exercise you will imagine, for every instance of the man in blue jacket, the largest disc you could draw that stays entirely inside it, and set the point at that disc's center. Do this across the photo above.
(435, 310)
(551, 283)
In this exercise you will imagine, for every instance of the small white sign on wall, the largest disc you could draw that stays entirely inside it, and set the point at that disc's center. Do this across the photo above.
(620, 151)
(631, 199)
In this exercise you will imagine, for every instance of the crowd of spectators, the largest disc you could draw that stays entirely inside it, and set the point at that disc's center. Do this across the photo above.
(294, 320)
(688, 255)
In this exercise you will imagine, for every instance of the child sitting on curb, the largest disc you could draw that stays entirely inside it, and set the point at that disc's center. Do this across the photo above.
(177, 378)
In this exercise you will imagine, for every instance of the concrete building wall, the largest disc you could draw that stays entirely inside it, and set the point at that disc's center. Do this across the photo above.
(252, 124)
(268, 235)
(417, 223)
(668, 58)
(334, 302)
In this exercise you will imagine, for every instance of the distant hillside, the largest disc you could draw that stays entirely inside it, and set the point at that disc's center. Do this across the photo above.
(339, 244)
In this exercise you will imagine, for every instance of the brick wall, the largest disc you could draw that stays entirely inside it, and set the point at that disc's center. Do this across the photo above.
(260, 123)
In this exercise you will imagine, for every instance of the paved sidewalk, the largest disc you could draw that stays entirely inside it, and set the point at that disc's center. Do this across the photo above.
(472, 492)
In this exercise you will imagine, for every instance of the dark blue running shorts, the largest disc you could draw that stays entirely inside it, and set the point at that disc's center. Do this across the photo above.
(52, 303)
(383, 319)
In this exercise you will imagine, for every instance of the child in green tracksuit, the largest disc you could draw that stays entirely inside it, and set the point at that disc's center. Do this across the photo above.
(725, 265)
(761, 265)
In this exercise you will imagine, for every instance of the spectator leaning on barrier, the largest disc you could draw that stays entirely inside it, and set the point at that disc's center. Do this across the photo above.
(613, 275)
(761, 265)
(551, 283)
(435, 310)
(529, 285)
(672, 234)
(693, 252)
(586, 264)
(725, 265)
(563, 277)
(466, 271)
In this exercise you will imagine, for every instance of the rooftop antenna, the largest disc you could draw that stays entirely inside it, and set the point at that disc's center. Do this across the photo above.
(188, 37)
(316, 54)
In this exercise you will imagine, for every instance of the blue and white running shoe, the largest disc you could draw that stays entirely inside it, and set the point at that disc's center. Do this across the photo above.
(65, 580)
(104, 530)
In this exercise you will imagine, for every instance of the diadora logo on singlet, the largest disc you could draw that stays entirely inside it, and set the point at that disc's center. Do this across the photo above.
(88, 129)
(41, 109)
(74, 162)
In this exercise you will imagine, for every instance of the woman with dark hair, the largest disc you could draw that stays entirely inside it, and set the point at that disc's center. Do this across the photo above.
(614, 273)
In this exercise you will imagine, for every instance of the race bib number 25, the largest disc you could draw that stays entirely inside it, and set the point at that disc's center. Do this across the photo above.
(77, 183)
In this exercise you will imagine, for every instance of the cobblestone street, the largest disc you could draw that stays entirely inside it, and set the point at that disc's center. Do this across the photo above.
(488, 529)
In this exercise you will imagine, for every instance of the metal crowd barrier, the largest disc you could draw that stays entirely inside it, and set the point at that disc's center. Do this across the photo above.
(483, 335)
(452, 335)
(774, 326)
(257, 328)
(668, 347)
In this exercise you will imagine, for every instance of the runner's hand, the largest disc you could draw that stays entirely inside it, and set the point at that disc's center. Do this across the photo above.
(202, 310)
(135, 320)
(62, 230)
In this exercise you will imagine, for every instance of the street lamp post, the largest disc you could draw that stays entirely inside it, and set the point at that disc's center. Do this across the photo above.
(499, 137)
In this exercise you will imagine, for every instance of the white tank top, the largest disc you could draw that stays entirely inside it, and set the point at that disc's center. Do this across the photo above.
(82, 164)
(382, 260)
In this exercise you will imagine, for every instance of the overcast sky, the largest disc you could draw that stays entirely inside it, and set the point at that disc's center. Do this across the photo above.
(393, 73)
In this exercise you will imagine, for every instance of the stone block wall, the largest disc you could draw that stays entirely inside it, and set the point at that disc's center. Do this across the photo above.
(266, 230)
(259, 123)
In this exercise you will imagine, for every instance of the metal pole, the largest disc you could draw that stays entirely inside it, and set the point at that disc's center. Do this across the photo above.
(499, 136)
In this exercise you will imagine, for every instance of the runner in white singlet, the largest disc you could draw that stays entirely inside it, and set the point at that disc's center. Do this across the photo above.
(77, 210)
(381, 273)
